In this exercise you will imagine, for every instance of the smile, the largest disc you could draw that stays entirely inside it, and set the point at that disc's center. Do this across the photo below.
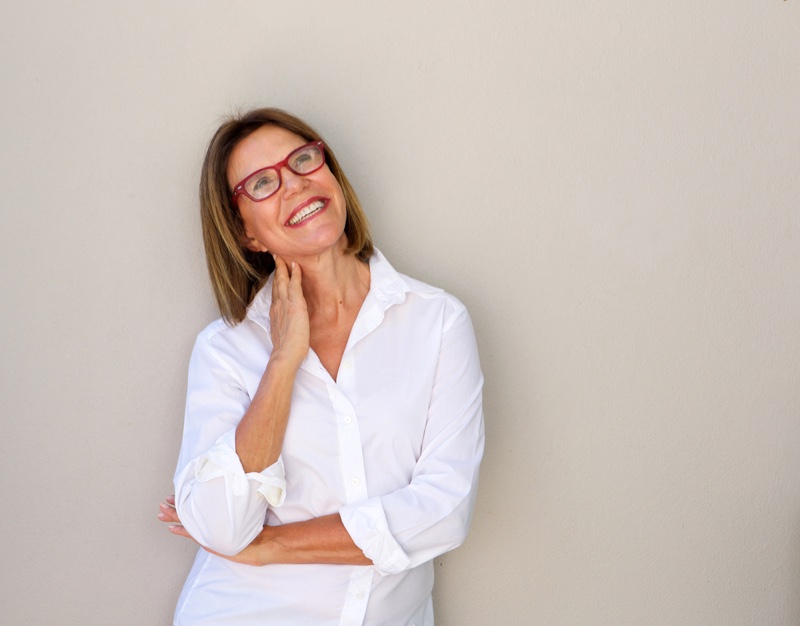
(306, 212)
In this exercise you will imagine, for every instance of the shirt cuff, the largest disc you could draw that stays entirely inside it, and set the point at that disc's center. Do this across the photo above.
(366, 523)
(222, 460)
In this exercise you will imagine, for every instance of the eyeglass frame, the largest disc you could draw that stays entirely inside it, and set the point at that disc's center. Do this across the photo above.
(239, 189)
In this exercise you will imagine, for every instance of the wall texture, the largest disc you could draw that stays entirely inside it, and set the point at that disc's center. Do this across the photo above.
(612, 188)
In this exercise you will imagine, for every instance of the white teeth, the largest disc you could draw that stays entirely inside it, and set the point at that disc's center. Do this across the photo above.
(306, 211)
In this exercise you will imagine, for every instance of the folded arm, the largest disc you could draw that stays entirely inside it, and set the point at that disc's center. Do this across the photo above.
(229, 468)
(319, 540)
(432, 514)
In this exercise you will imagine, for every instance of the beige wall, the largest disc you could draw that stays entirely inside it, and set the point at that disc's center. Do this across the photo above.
(611, 187)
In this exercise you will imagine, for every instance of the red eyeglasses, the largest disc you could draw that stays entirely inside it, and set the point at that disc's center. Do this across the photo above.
(265, 182)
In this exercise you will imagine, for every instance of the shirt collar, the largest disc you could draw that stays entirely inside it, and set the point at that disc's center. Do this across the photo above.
(386, 284)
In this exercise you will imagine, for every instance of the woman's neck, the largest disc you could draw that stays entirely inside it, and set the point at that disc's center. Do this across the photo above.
(334, 281)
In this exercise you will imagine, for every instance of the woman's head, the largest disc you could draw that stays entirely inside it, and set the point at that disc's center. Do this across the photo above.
(237, 270)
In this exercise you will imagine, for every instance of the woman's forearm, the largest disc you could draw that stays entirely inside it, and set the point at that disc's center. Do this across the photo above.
(259, 435)
(319, 540)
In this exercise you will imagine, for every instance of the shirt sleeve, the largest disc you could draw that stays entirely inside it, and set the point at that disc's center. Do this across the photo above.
(431, 515)
(219, 504)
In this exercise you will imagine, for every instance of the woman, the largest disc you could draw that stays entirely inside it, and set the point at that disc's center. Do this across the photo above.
(333, 427)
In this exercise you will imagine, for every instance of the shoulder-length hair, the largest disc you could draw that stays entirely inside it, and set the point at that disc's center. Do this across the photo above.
(236, 272)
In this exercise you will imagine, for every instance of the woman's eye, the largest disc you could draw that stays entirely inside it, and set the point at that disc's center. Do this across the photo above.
(262, 182)
(307, 160)
(302, 159)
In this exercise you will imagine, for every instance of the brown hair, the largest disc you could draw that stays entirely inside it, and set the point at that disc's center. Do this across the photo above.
(238, 273)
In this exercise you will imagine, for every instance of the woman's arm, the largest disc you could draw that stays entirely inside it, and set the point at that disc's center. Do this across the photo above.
(230, 467)
(259, 435)
(431, 515)
(319, 540)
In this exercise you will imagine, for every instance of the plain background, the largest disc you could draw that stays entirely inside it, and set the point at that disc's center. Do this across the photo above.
(612, 189)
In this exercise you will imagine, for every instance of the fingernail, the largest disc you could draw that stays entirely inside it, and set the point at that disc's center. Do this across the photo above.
(162, 516)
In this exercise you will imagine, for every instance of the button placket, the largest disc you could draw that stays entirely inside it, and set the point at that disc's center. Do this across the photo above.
(355, 605)
(351, 457)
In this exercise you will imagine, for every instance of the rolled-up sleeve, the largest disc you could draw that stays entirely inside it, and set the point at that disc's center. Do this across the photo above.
(431, 515)
(219, 504)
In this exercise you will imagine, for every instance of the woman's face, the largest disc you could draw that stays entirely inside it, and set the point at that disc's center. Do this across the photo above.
(272, 224)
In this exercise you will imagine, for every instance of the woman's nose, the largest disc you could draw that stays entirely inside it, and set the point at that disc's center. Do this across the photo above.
(291, 182)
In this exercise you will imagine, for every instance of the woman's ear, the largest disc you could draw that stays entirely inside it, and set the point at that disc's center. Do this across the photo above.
(251, 243)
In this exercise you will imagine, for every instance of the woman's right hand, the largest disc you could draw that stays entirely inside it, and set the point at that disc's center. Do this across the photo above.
(288, 314)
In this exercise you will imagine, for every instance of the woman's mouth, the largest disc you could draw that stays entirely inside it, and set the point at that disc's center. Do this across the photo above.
(307, 211)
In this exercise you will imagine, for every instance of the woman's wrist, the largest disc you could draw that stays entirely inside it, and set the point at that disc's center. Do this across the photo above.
(260, 547)
(283, 362)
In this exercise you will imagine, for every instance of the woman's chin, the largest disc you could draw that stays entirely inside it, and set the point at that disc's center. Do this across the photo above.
(321, 243)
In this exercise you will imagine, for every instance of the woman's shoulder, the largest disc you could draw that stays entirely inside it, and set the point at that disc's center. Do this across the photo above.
(214, 328)
(430, 292)
(415, 292)
(219, 334)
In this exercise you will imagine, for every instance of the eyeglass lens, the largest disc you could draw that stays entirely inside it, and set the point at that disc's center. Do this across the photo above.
(302, 162)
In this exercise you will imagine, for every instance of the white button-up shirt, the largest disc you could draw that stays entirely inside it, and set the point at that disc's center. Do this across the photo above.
(393, 445)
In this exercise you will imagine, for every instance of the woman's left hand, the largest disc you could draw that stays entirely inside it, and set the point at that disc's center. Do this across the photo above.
(169, 515)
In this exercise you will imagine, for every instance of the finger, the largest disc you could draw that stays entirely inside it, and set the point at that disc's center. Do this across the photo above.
(168, 514)
(276, 274)
(170, 500)
(281, 280)
(180, 531)
(296, 284)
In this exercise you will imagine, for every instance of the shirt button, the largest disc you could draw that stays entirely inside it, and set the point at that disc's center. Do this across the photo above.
(356, 482)
(348, 365)
(348, 419)
(359, 595)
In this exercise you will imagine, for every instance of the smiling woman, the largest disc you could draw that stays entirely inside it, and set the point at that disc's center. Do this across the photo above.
(334, 425)
(237, 273)
(282, 222)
